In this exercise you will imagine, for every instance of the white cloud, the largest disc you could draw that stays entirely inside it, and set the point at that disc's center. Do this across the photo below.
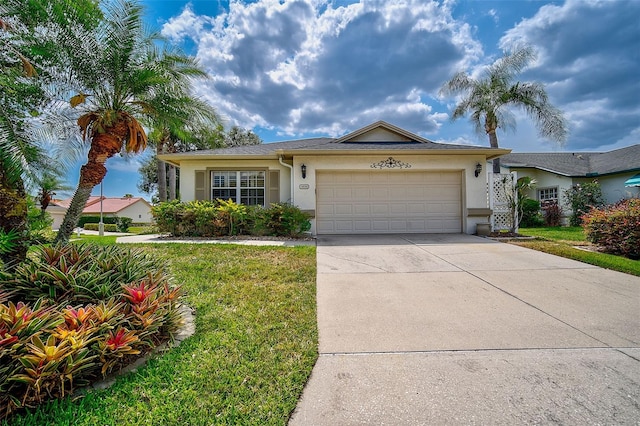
(311, 66)
(587, 65)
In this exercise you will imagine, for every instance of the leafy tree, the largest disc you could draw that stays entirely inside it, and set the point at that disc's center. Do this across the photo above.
(238, 136)
(489, 98)
(582, 198)
(123, 77)
(28, 41)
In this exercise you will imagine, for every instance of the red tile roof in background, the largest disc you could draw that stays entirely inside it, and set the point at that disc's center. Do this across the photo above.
(109, 204)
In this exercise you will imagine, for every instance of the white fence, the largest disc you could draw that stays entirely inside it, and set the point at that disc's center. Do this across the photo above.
(502, 200)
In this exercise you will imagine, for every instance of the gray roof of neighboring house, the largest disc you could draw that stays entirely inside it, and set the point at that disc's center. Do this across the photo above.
(578, 164)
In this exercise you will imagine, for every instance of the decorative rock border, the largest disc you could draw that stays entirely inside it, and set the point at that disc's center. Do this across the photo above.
(187, 330)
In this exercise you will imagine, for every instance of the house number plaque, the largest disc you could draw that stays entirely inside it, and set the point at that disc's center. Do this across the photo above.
(304, 186)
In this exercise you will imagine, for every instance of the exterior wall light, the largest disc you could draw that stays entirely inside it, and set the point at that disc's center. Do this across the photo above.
(478, 169)
(303, 168)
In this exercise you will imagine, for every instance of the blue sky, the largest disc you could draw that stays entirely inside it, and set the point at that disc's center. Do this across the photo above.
(305, 68)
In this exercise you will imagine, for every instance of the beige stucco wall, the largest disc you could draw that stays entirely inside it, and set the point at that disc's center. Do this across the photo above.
(613, 188)
(548, 180)
(188, 176)
(473, 189)
(57, 214)
(139, 212)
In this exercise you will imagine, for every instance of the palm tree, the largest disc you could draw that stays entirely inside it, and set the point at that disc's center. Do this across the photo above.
(488, 98)
(198, 119)
(47, 184)
(123, 78)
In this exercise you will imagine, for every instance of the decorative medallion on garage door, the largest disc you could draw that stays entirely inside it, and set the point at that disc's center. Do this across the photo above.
(391, 163)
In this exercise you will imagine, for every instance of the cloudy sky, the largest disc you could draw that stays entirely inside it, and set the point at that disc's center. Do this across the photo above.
(304, 68)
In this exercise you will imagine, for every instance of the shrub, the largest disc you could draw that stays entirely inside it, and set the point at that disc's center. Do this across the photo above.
(231, 216)
(109, 227)
(123, 223)
(50, 345)
(220, 218)
(531, 216)
(81, 273)
(581, 198)
(166, 215)
(616, 228)
(286, 220)
(96, 219)
(552, 213)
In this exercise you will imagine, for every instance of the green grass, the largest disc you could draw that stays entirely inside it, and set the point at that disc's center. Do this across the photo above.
(253, 351)
(573, 234)
(94, 239)
(561, 242)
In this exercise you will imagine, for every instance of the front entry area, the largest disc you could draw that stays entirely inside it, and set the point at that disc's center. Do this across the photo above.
(393, 201)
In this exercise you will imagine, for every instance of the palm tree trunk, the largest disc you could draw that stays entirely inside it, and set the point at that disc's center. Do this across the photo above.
(162, 181)
(162, 168)
(13, 217)
(172, 182)
(103, 146)
(88, 174)
(493, 142)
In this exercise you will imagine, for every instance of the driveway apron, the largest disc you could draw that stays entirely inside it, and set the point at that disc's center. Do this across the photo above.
(456, 329)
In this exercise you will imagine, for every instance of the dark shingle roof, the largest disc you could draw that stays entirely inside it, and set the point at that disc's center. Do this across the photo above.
(578, 164)
(326, 144)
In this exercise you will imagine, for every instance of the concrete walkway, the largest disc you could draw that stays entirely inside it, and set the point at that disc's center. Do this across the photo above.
(456, 329)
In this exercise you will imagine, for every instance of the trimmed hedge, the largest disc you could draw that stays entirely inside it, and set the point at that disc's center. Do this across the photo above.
(109, 227)
(96, 219)
(223, 218)
(616, 228)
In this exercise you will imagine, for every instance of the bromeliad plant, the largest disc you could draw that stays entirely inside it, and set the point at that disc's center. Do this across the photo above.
(52, 341)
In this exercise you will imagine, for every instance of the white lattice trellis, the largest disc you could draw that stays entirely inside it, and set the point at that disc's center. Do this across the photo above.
(501, 193)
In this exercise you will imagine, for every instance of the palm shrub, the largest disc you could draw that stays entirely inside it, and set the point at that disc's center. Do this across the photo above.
(615, 228)
(62, 327)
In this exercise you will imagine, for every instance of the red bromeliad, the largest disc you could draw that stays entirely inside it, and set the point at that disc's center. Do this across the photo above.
(6, 339)
(140, 293)
(121, 339)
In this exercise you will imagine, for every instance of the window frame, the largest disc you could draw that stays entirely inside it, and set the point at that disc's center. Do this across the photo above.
(549, 188)
(244, 194)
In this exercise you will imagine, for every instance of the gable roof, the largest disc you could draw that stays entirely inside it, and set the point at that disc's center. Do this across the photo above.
(378, 137)
(401, 135)
(578, 164)
(109, 204)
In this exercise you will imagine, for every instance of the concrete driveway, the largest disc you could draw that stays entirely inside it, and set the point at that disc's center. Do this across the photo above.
(456, 329)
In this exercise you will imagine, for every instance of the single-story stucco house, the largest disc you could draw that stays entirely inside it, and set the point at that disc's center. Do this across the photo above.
(377, 179)
(617, 172)
(136, 208)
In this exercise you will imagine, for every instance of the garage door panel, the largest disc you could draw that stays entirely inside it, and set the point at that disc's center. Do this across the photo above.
(388, 202)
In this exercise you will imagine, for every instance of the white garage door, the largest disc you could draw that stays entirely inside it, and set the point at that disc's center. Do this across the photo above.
(370, 202)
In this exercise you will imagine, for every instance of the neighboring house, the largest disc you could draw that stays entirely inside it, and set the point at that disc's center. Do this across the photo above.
(136, 208)
(378, 179)
(618, 172)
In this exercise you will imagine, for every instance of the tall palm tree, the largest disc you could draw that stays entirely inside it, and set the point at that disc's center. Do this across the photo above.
(489, 98)
(123, 79)
(199, 120)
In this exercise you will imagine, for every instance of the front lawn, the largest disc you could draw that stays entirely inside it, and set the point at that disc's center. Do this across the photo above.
(572, 234)
(562, 241)
(254, 347)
